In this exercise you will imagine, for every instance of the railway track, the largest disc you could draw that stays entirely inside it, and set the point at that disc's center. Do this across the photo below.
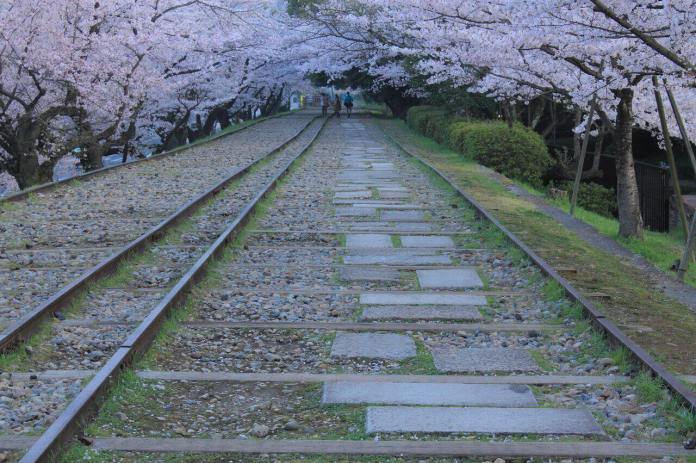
(127, 284)
(366, 312)
(57, 240)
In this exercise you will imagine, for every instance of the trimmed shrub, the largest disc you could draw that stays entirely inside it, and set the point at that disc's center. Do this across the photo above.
(518, 153)
(418, 117)
(594, 197)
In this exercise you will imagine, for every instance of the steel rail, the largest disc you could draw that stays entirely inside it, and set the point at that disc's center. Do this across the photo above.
(19, 195)
(86, 403)
(613, 333)
(25, 326)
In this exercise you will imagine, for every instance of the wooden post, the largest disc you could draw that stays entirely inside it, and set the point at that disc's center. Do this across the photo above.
(682, 127)
(581, 161)
(684, 262)
(670, 158)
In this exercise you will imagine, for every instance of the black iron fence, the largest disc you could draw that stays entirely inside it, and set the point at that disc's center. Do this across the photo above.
(654, 189)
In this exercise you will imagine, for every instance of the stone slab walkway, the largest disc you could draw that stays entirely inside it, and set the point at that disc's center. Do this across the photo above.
(373, 345)
(494, 395)
(481, 420)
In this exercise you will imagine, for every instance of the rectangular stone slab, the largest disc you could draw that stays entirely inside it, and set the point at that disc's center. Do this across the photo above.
(368, 274)
(421, 313)
(398, 227)
(373, 345)
(353, 194)
(427, 242)
(368, 240)
(404, 216)
(421, 298)
(477, 395)
(393, 194)
(478, 359)
(449, 278)
(394, 252)
(398, 259)
(482, 420)
(356, 211)
(385, 205)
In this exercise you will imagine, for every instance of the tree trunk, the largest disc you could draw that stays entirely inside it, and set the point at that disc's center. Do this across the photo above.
(25, 167)
(576, 136)
(630, 220)
(598, 150)
(399, 104)
(92, 157)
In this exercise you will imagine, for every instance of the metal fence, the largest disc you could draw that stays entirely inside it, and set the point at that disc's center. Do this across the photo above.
(654, 188)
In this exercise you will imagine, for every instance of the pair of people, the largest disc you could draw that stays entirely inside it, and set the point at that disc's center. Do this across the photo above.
(347, 102)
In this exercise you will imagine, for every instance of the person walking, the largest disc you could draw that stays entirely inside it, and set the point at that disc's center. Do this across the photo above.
(348, 103)
(324, 104)
(337, 106)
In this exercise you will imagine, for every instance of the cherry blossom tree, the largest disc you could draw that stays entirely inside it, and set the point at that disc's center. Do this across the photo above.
(97, 74)
(577, 52)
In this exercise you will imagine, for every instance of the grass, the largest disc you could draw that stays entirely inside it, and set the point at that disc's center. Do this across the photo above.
(648, 388)
(396, 241)
(421, 364)
(131, 390)
(544, 363)
(25, 355)
(661, 249)
(552, 291)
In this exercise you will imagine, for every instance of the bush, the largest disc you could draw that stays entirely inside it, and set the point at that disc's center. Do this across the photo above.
(427, 120)
(518, 153)
(594, 197)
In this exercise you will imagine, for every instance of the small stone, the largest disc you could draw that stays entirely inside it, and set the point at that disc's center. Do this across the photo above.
(86, 440)
(657, 432)
(121, 416)
(605, 362)
(498, 460)
(292, 425)
(259, 430)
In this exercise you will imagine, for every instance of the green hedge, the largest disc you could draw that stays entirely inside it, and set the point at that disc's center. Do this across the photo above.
(593, 197)
(516, 152)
